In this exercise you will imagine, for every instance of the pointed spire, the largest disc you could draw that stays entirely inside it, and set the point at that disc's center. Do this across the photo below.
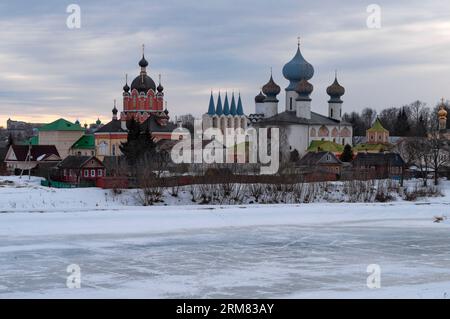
(219, 110)
(211, 110)
(160, 88)
(126, 88)
(226, 105)
(240, 109)
(233, 110)
(298, 42)
(143, 63)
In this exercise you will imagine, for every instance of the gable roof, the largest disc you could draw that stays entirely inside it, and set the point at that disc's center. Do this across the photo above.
(315, 158)
(61, 125)
(378, 159)
(37, 152)
(85, 142)
(114, 126)
(73, 161)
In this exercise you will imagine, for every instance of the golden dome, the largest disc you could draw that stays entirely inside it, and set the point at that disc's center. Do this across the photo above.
(442, 112)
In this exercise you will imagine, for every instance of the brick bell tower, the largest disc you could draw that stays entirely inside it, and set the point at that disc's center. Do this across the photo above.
(143, 99)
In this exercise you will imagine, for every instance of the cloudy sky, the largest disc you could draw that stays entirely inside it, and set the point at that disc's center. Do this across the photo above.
(49, 71)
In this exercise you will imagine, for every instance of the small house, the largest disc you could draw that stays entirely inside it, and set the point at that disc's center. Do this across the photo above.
(78, 169)
(325, 162)
(379, 165)
(27, 157)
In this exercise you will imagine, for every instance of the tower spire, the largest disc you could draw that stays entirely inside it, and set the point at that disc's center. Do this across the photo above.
(298, 41)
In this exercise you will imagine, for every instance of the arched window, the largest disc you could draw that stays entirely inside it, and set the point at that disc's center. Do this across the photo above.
(290, 103)
(313, 132)
(331, 113)
(323, 131)
(335, 132)
(345, 132)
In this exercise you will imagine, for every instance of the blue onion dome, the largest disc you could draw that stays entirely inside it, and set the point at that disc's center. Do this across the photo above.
(271, 89)
(304, 87)
(335, 91)
(297, 69)
(260, 97)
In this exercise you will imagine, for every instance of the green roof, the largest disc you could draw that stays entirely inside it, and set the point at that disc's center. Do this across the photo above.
(327, 146)
(377, 127)
(34, 140)
(61, 125)
(372, 147)
(85, 142)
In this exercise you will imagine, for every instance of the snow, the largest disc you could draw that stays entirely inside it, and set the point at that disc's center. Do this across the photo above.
(198, 251)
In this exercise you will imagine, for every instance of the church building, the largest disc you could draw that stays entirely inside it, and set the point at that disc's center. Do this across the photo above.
(299, 125)
(143, 101)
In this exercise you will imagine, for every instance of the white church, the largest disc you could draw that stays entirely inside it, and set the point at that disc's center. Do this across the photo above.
(298, 124)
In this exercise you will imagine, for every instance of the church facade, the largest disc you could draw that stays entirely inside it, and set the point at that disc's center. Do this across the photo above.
(226, 115)
(143, 101)
(299, 125)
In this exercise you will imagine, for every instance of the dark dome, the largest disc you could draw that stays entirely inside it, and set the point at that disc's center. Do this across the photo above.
(260, 97)
(143, 63)
(143, 83)
(304, 87)
(166, 111)
(126, 88)
(160, 88)
(335, 90)
(271, 88)
(114, 110)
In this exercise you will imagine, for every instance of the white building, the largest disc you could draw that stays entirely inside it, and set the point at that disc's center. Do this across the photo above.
(298, 124)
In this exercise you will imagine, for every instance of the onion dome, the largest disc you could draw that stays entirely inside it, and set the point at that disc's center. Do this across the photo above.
(442, 113)
(297, 69)
(166, 111)
(98, 122)
(114, 110)
(126, 88)
(233, 110)
(143, 83)
(271, 89)
(160, 88)
(143, 63)
(260, 97)
(304, 88)
(335, 91)
(77, 122)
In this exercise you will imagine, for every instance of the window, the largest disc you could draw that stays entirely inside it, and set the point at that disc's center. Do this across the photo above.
(290, 103)
(100, 172)
(328, 157)
(331, 113)
(65, 172)
(86, 173)
(113, 150)
(92, 172)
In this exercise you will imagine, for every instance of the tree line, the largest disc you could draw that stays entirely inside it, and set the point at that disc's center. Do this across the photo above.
(414, 119)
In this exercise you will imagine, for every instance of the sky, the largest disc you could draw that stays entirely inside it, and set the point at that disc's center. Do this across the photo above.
(48, 70)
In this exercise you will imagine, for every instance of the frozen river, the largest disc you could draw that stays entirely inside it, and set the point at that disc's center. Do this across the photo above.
(226, 260)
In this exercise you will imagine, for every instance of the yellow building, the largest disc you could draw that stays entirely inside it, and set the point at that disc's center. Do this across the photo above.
(61, 133)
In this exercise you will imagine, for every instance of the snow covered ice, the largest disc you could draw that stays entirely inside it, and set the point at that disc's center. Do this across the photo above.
(247, 251)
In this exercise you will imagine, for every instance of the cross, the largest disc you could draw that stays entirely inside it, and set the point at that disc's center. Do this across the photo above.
(143, 49)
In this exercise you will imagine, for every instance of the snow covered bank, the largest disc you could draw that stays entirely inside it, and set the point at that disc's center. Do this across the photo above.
(27, 195)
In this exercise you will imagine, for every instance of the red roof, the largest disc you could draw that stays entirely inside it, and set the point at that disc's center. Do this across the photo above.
(38, 152)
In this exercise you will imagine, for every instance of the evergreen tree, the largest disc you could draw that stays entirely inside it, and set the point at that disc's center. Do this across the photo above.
(402, 126)
(347, 154)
